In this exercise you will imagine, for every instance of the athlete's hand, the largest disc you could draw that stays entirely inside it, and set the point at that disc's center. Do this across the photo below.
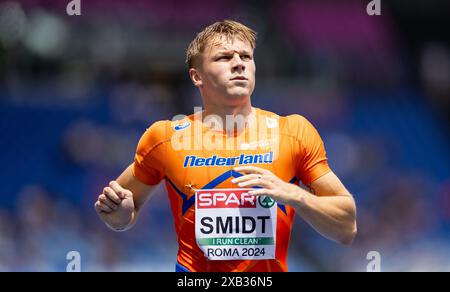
(271, 185)
(115, 206)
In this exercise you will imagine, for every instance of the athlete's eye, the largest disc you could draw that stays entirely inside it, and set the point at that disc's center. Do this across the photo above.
(246, 57)
(223, 58)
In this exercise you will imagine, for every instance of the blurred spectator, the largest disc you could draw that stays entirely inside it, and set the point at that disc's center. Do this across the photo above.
(435, 70)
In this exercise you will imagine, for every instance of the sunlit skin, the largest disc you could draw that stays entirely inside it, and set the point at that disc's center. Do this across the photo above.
(225, 76)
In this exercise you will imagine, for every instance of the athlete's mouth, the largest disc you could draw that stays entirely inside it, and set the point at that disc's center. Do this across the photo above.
(239, 78)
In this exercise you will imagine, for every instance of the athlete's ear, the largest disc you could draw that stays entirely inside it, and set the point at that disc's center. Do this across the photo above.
(195, 77)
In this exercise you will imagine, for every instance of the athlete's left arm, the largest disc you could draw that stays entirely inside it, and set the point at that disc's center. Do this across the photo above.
(329, 209)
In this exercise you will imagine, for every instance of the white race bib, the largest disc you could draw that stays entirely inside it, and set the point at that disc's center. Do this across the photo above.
(231, 224)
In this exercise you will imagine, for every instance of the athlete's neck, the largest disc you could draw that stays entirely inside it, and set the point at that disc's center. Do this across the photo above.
(233, 118)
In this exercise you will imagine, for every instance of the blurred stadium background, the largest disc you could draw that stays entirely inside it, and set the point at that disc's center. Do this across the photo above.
(76, 93)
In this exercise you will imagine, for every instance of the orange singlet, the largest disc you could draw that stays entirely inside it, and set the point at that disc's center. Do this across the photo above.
(219, 226)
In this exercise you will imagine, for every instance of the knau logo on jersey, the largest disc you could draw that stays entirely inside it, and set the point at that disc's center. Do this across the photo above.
(257, 144)
(182, 126)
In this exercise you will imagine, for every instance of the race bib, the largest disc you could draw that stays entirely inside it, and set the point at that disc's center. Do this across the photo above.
(231, 224)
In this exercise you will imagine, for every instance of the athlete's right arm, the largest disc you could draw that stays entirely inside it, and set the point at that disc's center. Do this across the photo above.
(120, 202)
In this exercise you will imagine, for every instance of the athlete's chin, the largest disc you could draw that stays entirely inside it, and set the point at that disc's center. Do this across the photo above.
(238, 94)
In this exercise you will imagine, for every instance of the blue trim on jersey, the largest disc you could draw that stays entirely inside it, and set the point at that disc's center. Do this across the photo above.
(282, 208)
(215, 182)
(181, 269)
(221, 178)
(187, 203)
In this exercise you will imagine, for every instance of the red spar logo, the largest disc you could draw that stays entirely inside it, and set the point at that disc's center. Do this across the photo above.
(221, 198)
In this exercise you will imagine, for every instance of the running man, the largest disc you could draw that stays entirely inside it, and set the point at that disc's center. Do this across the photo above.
(233, 186)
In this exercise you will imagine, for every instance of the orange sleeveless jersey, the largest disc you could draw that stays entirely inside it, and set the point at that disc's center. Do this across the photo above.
(289, 147)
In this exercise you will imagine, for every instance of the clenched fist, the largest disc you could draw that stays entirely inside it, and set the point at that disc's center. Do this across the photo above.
(115, 206)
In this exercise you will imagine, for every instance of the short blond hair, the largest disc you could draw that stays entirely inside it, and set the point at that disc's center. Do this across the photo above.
(228, 28)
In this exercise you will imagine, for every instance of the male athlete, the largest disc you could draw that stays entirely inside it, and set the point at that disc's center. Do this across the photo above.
(233, 186)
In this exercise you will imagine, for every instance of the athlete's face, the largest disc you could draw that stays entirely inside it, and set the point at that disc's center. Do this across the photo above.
(226, 71)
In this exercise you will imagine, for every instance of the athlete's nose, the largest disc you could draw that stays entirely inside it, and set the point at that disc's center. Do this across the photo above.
(237, 63)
